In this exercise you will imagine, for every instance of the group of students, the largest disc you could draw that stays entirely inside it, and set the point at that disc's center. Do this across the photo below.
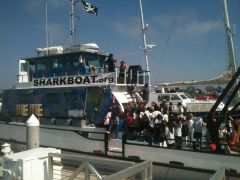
(156, 124)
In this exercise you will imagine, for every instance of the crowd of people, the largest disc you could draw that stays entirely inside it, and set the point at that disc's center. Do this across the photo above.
(157, 124)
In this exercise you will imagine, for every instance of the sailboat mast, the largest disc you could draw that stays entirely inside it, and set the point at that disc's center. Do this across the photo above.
(145, 48)
(230, 46)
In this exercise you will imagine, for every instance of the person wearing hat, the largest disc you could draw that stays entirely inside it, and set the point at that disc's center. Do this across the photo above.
(122, 71)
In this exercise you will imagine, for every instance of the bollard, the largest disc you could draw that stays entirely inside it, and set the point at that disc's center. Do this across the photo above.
(32, 125)
(6, 149)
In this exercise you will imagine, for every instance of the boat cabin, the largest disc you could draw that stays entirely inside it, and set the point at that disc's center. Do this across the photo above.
(77, 65)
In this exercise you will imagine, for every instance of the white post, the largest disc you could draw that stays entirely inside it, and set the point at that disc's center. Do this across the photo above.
(6, 149)
(32, 125)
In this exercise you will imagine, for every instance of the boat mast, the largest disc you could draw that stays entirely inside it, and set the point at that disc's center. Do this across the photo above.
(46, 19)
(73, 27)
(230, 46)
(146, 47)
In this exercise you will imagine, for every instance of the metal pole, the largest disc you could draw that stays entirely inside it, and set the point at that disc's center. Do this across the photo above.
(73, 25)
(232, 57)
(46, 11)
(144, 28)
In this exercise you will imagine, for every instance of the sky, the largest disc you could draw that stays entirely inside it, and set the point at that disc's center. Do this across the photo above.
(189, 34)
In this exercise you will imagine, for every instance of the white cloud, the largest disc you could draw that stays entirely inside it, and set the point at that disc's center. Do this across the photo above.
(186, 26)
(57, 33)
(33, 6)
(198, 28)
(127, 28)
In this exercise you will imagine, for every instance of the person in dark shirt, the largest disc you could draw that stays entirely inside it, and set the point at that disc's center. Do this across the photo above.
(145, 93)
(111, 63)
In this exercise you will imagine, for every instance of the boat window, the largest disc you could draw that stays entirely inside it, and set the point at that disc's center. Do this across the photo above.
(73, 62)
(24, 67)
(175, 97)
(93, 59)
(57, 64)
(183, 96)
(70, 98)
(40, 67)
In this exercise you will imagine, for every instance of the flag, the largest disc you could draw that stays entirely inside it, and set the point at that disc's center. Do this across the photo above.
(89, 8)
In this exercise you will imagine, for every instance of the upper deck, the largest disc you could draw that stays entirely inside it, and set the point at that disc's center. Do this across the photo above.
(78, 65)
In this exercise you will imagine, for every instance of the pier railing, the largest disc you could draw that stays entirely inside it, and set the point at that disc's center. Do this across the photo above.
(83, 167)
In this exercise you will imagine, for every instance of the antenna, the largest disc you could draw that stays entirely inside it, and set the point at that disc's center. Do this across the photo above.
(73, 24)
(146, 47)
(46, 19)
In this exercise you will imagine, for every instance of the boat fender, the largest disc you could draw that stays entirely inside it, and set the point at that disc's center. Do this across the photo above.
(212, 147)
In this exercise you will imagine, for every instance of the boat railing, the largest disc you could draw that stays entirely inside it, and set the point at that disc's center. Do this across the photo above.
(126, 77)
(183, 144)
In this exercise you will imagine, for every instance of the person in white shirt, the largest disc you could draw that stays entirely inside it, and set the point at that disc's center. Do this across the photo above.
(198, 124)
(169, 133)
(190, 128)
(178, 132)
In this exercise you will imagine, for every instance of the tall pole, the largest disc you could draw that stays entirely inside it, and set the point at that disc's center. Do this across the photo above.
(73, 25)
(230, 46)
(46, 19)
(145, 48)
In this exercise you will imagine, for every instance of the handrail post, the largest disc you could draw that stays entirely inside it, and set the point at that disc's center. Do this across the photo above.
(116, 80)
(106, 137)
(137, 77)
(125, 76)
(50, 166)
(130, 77)
(124, 140)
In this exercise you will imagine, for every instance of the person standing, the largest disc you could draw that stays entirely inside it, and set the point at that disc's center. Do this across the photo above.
(178, 132)
(122, 71)
(190, 128)
(198, 124)
(111, 63)
(145, 93)
(169, 133)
